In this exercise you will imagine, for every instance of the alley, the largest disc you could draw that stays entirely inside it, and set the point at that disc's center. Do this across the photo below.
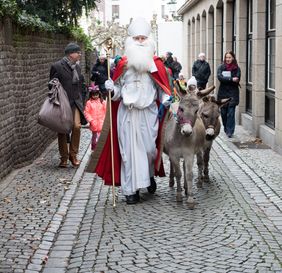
(55, 220)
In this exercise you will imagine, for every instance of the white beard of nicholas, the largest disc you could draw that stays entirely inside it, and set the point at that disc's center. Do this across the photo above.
(139, 55)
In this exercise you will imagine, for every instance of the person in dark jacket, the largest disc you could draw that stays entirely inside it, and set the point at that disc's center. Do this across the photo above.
(229, 74)
(201, 71)
(68, 71)
(169, 62)
(177, 68)
(100, 73)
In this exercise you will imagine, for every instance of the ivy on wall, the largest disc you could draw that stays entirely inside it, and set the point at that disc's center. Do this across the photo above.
(11, 9)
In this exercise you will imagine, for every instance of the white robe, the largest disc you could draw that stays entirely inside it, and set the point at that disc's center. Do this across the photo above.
(137, 127)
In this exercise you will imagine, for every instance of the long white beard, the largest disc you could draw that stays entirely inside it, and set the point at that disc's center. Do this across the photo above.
(139, 55)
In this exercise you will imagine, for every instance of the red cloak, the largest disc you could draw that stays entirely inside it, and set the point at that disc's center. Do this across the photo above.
(104, 164)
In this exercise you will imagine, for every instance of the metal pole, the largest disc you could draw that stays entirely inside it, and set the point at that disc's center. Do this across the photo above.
(108, 45)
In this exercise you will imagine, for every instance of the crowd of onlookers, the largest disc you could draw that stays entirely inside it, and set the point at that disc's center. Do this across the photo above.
(228, 75)
(133, 83)
(93, 106)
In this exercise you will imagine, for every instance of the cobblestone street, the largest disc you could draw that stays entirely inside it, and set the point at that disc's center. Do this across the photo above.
(61, 220)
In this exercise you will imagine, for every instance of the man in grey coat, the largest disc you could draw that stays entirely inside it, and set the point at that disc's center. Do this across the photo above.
(68, 71)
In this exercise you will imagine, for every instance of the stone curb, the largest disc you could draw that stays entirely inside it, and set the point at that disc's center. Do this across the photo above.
(40, 257)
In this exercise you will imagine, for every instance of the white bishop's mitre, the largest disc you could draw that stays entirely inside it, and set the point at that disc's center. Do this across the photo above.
(139, 26)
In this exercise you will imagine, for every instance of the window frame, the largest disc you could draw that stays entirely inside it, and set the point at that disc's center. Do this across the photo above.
(269, 92)
(249, 56)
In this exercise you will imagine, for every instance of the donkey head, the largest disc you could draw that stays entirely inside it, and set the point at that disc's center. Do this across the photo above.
(187, 113)
(209, 112)
(188, 108)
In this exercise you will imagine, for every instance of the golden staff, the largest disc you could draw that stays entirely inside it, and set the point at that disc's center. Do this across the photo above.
(108, 47)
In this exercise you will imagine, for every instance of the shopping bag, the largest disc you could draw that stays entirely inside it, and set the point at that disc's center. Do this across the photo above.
(56, 113)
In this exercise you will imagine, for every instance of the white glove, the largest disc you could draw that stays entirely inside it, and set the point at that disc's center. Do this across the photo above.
(167, 101)
(109, 84)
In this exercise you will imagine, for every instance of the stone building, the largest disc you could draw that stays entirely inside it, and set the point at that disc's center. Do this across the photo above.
(253, 30)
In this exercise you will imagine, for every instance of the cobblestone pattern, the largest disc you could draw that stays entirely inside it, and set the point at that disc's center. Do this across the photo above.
(33, 204)
(235, 227)
(25, 59)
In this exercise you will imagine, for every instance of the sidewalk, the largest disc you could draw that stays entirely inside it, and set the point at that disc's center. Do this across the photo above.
(62, 220)
(33, 203)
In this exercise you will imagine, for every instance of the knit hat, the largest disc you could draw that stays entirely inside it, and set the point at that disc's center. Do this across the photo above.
(117, 58)
(192, 81)
(72, 48)
(202, 55)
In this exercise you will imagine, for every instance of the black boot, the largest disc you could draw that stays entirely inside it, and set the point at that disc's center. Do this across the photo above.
(153, 185)
(133, 198)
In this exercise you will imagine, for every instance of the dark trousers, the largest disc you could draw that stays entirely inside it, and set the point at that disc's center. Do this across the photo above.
(72, 150)
(228, 119)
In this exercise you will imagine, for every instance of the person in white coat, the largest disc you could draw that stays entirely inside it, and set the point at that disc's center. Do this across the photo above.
(137, 116)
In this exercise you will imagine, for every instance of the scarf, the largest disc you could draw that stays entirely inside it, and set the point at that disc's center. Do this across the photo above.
(75, 77)
(230, 67)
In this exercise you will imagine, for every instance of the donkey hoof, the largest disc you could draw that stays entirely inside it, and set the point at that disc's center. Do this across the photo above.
(206, 179)
(171, 183)
(200, 184)
(191, 206)
(191, 202)
(178, 197)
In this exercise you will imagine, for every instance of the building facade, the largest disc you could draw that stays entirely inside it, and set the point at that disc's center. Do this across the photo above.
(253, 30)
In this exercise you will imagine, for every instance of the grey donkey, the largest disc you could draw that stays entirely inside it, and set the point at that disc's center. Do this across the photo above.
(184, 138)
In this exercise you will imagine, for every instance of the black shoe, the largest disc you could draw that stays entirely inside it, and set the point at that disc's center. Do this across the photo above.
(153, 186)
(132, 199)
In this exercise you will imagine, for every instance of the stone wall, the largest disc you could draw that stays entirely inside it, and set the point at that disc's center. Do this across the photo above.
(25, 60)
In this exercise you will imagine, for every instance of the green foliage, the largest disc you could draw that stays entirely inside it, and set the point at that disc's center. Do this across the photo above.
(79, 35)
(8, 8)
(62, 12)
(59, 16)
(33, 22)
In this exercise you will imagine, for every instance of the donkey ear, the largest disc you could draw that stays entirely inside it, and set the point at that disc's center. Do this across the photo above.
(205, 92)
(206, 99)
(180, 91)
(222, 102)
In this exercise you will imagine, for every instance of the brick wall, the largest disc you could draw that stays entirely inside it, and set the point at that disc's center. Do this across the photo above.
(25, 60)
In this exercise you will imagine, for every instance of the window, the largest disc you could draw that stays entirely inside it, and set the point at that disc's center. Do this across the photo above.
(234, 26)
(250, 16)
(163, 11)
(271, 14)
(115, 11)
(270, 64)
(249, 71)
(250, 61)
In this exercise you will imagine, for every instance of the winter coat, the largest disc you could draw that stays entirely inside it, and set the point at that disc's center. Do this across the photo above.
(169, 64)
(201, 71)
(227, 87)
(177, 68)
(95, 112)
(63, 72)
(100, 74)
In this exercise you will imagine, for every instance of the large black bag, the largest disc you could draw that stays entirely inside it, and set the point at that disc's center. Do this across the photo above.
(56, 113)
